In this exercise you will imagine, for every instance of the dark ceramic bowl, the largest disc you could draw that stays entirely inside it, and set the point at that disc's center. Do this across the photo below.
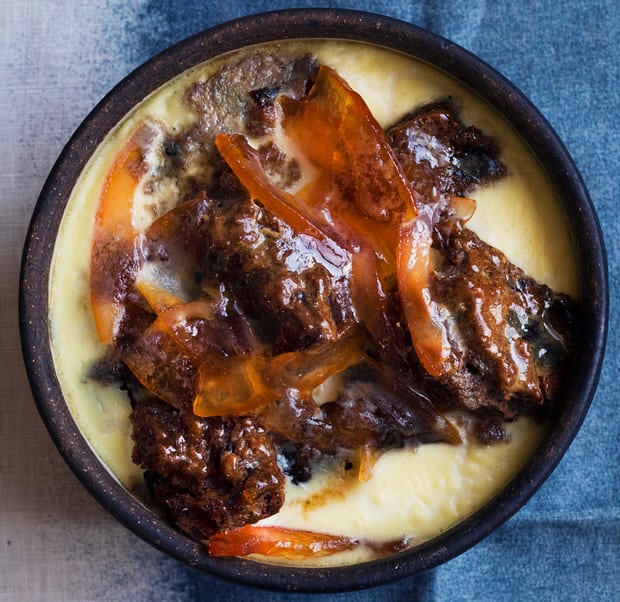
(349, 25)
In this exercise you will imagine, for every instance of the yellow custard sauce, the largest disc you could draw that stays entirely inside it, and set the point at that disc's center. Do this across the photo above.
(412, 493)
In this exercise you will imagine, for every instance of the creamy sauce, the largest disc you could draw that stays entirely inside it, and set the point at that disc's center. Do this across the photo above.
(412, 493)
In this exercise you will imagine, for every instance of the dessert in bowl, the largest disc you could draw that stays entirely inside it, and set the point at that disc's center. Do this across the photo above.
(316, 303)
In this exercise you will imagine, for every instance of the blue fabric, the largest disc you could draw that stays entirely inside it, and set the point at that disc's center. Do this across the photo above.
(565, 544)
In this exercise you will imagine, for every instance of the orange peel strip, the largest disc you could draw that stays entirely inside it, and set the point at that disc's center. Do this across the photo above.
(115, 256)
(233, 386)
(278, 541)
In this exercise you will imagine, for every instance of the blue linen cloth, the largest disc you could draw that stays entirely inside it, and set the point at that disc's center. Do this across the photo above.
(565, 543)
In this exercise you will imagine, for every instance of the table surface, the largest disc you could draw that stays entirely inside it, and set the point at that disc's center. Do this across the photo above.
(58, 59)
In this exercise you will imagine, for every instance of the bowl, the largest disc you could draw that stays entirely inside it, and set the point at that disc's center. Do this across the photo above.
(314, 24)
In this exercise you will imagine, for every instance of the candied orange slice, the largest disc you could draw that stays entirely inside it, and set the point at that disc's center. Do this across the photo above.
(246, 164)
(428, 334)
(166, 356)
(365, 190)
(115, 256)
(235, 385)
(278, 541)
(428, 328)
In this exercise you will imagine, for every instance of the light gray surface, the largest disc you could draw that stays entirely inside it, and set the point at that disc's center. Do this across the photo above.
(57, 60)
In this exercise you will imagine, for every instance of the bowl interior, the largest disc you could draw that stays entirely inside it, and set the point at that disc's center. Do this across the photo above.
(348, 25)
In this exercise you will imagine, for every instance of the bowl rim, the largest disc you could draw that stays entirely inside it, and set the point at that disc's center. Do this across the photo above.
(261, 28)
